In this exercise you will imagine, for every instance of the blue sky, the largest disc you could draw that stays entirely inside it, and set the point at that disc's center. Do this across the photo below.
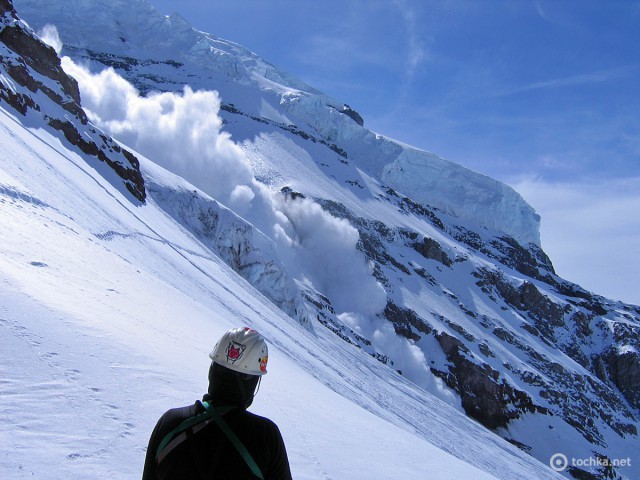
(543, 95)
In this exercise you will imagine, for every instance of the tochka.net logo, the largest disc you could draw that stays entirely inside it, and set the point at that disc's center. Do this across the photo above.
(559, 462)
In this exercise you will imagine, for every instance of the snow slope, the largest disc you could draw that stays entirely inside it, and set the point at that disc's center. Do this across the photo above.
(108, 311)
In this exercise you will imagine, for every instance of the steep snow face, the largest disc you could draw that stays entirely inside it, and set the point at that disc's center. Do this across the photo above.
(164, 53)
(243, 247)
(473, 198)
(135, 29)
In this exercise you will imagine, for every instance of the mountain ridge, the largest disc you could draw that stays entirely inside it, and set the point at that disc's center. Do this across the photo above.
(225, 62)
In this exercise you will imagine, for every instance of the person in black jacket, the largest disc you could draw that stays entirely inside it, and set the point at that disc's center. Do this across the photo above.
(217, 438)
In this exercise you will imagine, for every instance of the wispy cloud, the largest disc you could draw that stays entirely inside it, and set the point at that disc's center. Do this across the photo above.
(600, 76)
(416, 52)
(541, 12)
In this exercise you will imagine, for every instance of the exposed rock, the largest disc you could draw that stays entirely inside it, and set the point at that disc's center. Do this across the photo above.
(430, 248)
(406, 322)
(43, 59)
(624, 371)
(134, 182)
(525, 297)
(291, 194)
(35, 66)
(352, 114)
(530, 261)
(409, 205)
(485, 396)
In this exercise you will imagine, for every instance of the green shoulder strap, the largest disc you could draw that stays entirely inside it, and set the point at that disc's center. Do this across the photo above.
(175, 436)
(242, 450)
(178, 435)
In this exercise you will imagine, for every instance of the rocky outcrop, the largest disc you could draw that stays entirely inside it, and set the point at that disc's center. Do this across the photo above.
(623, 367)
(406, 322)
(530, 261)
(44, 60)
(431, 249)
(485, 396)
(352, 114)
(36, 69)
(537, 322)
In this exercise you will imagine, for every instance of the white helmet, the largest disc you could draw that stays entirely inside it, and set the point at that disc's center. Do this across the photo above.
(242, 350)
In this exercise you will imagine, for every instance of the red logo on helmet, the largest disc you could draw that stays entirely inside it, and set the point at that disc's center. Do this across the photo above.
(234, 351)
(263, 363)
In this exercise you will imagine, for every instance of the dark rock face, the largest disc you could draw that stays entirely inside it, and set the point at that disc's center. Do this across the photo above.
(406, 322)
(36, 68)
(537, 322)
(485, 396)
(624, 371)
(352, 114)
(41, 58)
(525, 297)
(7, 10)
(429, 248)
(530, 261)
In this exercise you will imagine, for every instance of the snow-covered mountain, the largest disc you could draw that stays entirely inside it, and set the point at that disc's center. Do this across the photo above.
(403, 294)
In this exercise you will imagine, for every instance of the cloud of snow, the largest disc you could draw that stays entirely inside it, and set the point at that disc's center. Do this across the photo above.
(180, 132)
(406, 356)
(49, 35)
(326, 251)
(183, 133)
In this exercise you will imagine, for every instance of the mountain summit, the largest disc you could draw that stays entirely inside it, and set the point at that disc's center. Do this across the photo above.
(411, 287)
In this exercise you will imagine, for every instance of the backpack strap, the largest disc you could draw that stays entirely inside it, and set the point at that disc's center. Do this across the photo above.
(211, 414)
(178, 435)
(233, 438)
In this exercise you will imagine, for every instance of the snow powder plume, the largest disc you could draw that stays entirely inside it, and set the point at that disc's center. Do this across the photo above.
(183, 133)
(180, 132)
(49, 35)
(326, 249)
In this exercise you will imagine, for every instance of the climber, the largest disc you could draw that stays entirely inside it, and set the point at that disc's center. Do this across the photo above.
(217, 437)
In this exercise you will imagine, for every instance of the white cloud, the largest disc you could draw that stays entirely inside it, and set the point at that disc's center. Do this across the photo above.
(541, 12)
(591, 232)
(600, 76)
(416, 52)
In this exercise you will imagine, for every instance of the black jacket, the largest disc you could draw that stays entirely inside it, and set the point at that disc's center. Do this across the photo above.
(208, 454)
